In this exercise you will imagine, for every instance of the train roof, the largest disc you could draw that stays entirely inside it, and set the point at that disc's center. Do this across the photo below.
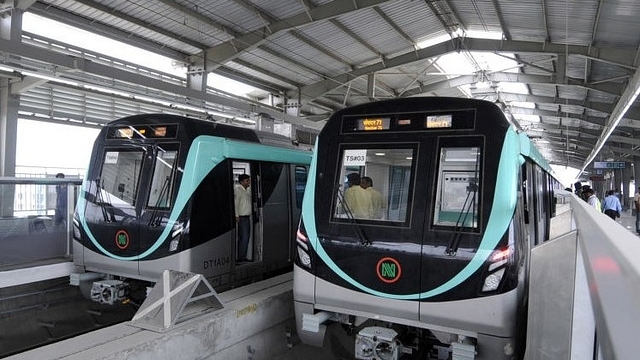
(528, 149)
(197, 126)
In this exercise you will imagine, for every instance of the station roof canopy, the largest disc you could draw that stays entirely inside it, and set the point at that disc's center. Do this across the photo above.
(565, 72)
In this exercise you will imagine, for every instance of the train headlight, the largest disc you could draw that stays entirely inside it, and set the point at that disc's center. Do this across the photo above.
(492, 281)
(76, 229)
(305, 259)
(173, 246)
(176, 235)
(499, 259)
(303, 246)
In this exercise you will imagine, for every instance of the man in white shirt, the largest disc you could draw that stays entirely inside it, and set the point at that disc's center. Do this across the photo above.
(242, 202)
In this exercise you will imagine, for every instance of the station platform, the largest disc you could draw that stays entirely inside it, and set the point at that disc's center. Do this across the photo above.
(628, 220)
(16, 275)
(256, 322)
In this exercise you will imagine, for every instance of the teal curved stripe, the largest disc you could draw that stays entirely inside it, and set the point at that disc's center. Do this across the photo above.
(205, 153)
(504, 203)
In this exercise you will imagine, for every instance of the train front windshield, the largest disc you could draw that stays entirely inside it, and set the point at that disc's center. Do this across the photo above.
(456, 202)
(121, 175)
(392, 171)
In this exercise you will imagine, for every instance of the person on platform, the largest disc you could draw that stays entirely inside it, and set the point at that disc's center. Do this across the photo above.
(591, 198)
(578, 189)
(611, 205)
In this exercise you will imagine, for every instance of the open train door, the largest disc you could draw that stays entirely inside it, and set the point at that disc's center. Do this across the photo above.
(273, 212)
(270, 219)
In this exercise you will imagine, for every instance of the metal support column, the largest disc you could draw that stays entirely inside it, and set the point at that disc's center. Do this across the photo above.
(10, 29)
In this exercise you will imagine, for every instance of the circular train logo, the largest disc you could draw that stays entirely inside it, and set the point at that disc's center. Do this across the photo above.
(388, 270)
(122, 239)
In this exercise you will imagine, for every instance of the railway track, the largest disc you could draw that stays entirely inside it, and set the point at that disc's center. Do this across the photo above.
(39, 314)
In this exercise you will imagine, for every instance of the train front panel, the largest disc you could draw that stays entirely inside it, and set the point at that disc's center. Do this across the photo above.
(437, 253)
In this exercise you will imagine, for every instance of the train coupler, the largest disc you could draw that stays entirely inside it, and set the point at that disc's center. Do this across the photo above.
(109, 291)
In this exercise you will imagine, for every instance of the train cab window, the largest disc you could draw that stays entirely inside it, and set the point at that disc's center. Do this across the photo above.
(119, 176)
(457, 193)
(374, 184)
(162, 180)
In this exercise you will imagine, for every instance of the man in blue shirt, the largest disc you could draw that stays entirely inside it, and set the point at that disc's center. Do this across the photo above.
(611, 205)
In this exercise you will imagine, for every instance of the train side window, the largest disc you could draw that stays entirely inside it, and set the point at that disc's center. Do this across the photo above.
(458, 186)
(301, 183)
(387, 173)
(162, 180)
(120, 174)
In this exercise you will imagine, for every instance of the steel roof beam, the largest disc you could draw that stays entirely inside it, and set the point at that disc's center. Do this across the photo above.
(394, 26)
(555, 114)
(545, 21)
(505, 31)
(305, 39)
(78, 64)
(194, 14)
(220, 54)
(612, 89)
(266, 72)
(621, 56)
(56, 14)
(578, 132)
(632, 114)
(626, 100)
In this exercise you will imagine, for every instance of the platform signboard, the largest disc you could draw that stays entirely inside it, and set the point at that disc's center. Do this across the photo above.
(608, 164)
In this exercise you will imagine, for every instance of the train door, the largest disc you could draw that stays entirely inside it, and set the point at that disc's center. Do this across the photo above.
(531, 207)
(244, 168)
(274, 212)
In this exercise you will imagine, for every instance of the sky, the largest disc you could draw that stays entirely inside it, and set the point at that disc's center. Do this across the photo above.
(49, 148)
(69, 147)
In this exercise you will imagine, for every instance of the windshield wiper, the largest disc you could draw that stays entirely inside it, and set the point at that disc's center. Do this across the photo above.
(100, 200)
(164, 192)
(358, 230)
(469, 203)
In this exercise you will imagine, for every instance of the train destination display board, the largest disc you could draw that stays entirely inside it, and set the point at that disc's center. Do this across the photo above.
(410, 121)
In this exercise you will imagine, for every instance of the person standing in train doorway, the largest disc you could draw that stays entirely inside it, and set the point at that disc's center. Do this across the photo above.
(242, 202)
(636, 202)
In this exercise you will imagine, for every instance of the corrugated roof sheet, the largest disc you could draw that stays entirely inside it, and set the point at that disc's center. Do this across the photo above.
(322, 53)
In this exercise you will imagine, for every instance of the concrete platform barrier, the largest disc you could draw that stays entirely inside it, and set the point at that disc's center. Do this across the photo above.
(254, 324)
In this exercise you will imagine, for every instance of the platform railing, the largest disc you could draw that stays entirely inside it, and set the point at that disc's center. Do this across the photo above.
(585, 289)
(36, 218)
